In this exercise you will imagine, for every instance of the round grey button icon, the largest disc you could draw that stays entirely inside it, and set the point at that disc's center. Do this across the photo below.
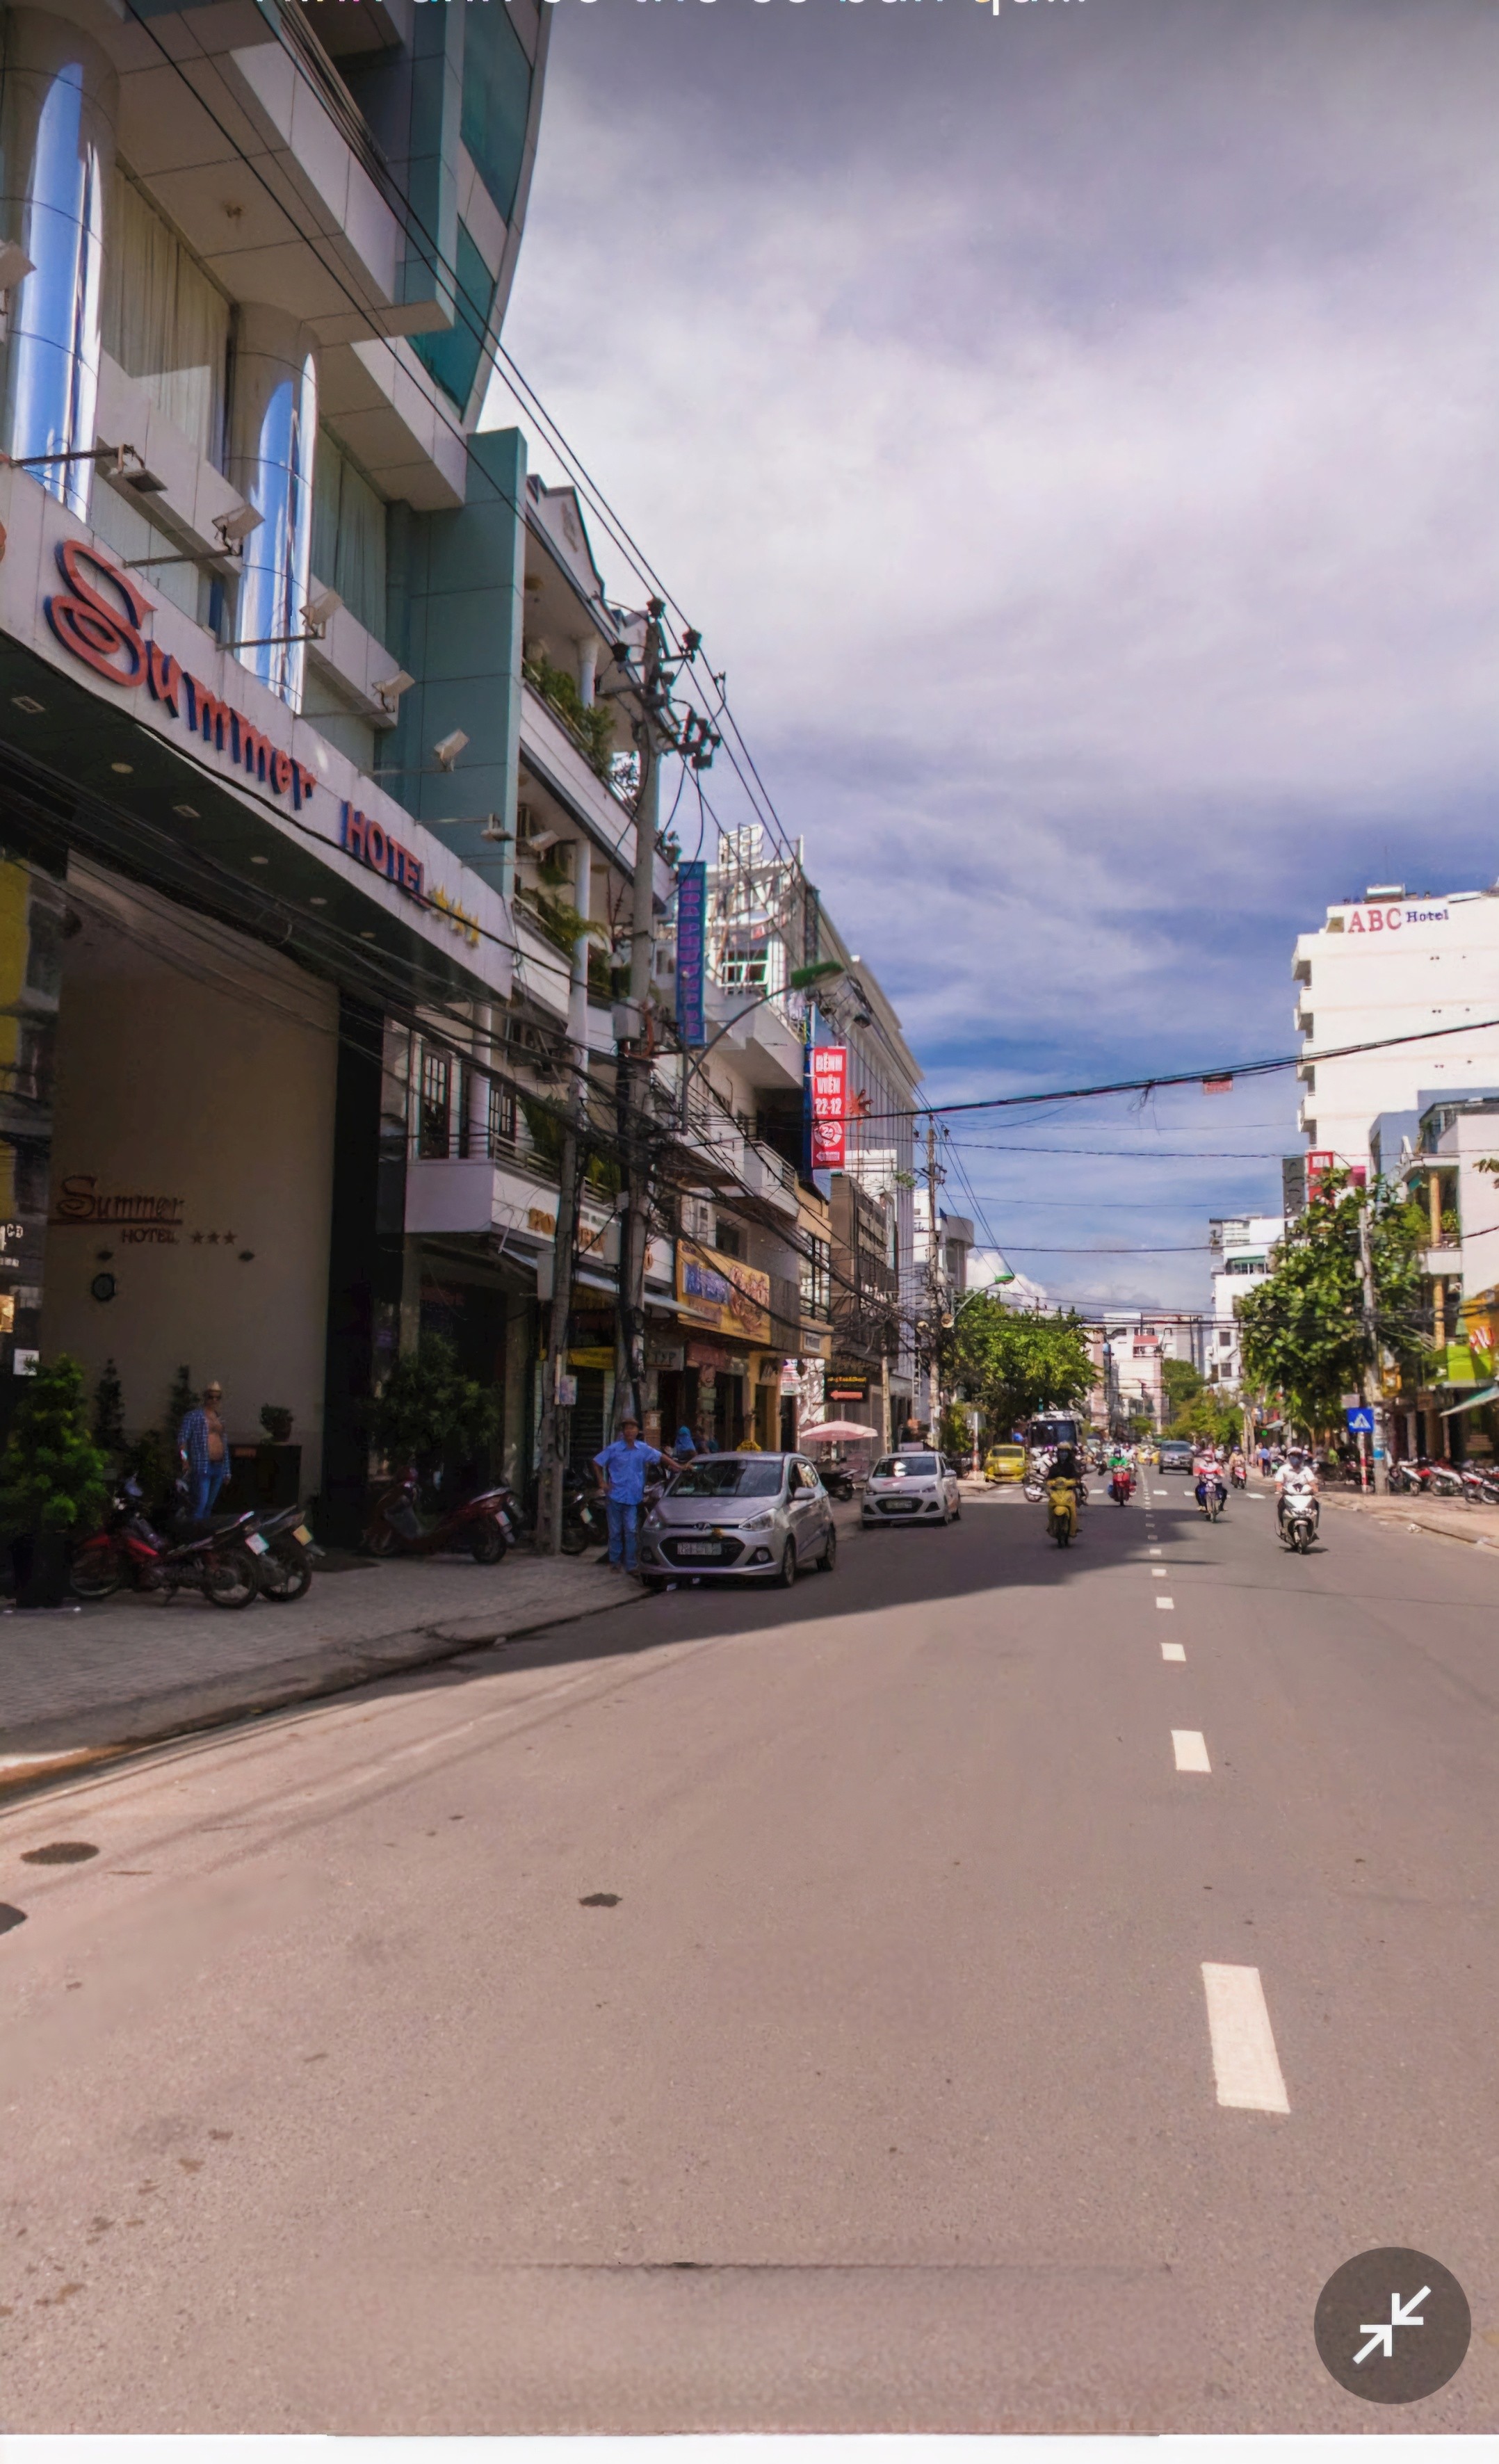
(1392, 2326)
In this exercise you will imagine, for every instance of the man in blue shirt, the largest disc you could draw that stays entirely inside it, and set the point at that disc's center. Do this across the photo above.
(621, 1471)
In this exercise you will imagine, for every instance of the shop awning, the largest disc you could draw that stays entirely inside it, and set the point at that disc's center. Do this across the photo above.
(1471, 1402)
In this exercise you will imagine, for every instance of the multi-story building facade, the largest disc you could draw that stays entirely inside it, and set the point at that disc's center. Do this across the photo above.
(1240, 1253)
(318, 770)
(1390, 965)
(835, 1247)
(1437, 1154)
(261, 615)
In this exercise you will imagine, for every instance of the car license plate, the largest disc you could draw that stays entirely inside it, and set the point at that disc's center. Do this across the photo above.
(252, 1540)
(302, 1534)
(698, 1548)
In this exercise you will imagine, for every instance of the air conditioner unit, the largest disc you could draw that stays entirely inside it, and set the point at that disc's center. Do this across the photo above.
(700, 1219)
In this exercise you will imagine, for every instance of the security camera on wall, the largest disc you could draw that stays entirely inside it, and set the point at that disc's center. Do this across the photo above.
(447, 749)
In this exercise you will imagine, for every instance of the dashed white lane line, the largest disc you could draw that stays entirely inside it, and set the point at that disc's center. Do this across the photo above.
(1163, 1602)
(1190, 1747)
(1245, 2062)
(1154, 1553)
(1173, 1651)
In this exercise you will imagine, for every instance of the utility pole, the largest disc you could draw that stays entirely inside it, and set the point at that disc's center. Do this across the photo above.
(634, 1065)
(556, 1417)
(934, 1281)
(1373, 1376)
(656, 732)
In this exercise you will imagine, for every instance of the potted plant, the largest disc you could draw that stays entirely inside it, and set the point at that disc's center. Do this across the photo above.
(431, 1415)
(53, 1480)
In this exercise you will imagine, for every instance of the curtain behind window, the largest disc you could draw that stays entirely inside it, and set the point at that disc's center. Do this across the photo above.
(348, 535)
(164, 321)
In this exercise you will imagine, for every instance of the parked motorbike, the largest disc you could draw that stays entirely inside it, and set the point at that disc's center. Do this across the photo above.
(1446, 1480)
(217, 1562)
(838, 1481)
(481, 1525)
(582, 1517)
(284, 1552)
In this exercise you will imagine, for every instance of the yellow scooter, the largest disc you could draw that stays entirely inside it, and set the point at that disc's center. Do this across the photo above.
(1062, 1511)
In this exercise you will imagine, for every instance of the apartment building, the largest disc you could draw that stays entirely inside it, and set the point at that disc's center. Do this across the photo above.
(1391, 965)
(1435, 1154)
(1240, 1251)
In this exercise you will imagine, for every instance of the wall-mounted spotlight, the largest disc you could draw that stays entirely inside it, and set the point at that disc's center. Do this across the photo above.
(389, 692)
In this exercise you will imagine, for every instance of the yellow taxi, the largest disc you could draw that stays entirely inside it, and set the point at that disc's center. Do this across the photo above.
(1005, 1463)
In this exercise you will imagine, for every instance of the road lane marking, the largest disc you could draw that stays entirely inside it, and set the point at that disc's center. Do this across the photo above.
(1245, 2062)
(1173, 1651)
(1190, 1747)
(1154, 1553)
(1163, 1602)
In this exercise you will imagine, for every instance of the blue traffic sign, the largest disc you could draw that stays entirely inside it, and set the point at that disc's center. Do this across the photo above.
(1360, 1417)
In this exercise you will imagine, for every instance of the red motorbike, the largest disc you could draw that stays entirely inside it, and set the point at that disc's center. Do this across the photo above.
(1121, 1484)
(482, 1527)
(217, 1563)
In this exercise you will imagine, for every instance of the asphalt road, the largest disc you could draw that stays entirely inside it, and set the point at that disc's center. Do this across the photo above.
(802, 2012)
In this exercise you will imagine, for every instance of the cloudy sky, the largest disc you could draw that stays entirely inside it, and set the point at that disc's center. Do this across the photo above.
(1073, 428)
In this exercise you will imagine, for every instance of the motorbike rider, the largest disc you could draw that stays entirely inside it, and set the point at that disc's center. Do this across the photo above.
(1238, 1468)
(1295, 1476)
(1207, 1471)
(1065, 1487)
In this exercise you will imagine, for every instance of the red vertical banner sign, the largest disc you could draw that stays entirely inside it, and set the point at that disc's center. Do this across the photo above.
(830, 1087)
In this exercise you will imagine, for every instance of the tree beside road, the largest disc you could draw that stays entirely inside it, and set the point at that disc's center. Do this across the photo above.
(1306, 1332)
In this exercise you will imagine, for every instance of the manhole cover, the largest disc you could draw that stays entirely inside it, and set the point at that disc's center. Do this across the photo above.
(60, 1851)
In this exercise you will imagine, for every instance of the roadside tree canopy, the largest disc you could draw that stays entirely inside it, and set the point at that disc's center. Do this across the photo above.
(1014, 1362)
(1302, 1327)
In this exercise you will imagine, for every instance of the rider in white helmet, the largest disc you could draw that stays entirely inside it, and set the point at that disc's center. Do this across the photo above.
(1294, 1473)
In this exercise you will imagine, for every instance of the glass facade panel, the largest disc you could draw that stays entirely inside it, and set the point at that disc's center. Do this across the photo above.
(348, 535)
(453, 357)
(496, 100)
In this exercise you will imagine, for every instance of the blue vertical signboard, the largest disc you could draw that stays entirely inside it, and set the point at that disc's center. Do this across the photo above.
(691, 915)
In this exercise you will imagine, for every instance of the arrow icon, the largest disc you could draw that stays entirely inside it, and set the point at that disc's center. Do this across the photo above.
(1398, 2318)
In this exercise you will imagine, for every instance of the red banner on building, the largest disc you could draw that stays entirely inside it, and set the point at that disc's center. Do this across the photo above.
(828, 1085)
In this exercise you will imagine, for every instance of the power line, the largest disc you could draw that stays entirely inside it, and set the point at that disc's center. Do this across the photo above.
(1194, 1077)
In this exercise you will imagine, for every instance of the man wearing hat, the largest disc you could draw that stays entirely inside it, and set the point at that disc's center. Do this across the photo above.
(621, 1473)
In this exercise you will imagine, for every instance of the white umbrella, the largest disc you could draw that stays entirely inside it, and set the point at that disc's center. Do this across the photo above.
(830, 1429)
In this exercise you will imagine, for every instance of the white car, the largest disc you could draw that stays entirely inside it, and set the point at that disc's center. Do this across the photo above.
(913, 1487)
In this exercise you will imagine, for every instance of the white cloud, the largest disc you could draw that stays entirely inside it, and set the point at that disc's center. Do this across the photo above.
(1097, 527)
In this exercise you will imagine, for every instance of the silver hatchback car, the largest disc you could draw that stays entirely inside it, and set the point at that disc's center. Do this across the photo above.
(759, 1516)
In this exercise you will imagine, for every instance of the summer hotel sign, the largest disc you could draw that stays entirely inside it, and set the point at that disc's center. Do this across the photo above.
(107, 635)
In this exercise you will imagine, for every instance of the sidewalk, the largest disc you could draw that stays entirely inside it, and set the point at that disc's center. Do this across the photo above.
(1450, 1518)
(131, 1671)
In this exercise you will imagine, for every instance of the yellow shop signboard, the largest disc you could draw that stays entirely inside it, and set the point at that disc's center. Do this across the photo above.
(722, 1293)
